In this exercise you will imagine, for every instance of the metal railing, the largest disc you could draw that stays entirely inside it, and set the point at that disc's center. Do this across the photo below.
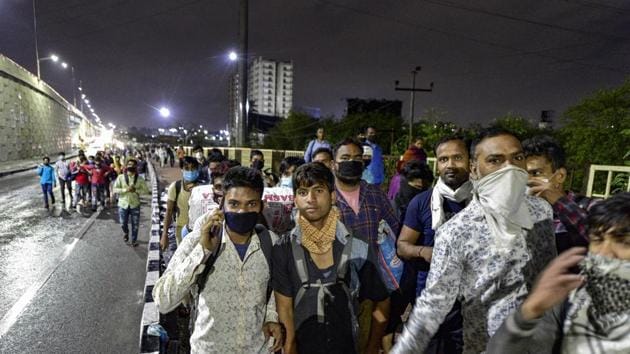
(609, 179)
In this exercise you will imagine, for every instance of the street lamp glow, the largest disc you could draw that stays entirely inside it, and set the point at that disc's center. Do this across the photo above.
(54, 58)
(64, 65)
(233, 56)
(165, 112)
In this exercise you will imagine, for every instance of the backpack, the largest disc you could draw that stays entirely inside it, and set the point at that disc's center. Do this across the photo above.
(266, 245)
(135, 179)
(340, 272)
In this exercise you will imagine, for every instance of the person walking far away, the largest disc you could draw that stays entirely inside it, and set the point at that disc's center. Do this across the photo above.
(47, 180)
(129, 186)
(316, 144)
(65, 177)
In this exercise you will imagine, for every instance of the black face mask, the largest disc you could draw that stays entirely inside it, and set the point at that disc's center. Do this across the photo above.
(350, 171)
(241, 223)
(366, 162)
(131, 169)
(258, 164)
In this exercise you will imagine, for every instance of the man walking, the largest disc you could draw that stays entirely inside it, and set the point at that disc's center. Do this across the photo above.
(236, 310)
(489, 253)
(362, 207)
(64, 176)
(47, 180)
(319, 270)
(425, 214)
(129, 186)
(316, 144)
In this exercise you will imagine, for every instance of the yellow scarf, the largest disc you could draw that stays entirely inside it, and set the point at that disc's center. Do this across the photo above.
(319, 241)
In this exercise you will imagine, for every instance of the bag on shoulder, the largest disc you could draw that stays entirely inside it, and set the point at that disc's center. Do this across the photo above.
(390, 266)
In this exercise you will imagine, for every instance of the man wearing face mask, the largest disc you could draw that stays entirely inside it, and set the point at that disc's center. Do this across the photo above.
(547, 173)
(376, 166)
(257, 160)
(451, 194)
(177, 202)
(579, 313)
(362, 206)
(129, 186)
(236, 309)
(489, 253)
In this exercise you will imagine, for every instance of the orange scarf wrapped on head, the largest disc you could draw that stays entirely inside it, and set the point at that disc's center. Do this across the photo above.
(319, 241)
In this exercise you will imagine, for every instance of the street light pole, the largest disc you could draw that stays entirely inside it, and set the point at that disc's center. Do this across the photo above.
(413, 91)
(74, 89)
(242, 69)
(39, 77)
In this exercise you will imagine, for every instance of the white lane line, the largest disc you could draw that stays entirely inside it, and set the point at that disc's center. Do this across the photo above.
(9, 318)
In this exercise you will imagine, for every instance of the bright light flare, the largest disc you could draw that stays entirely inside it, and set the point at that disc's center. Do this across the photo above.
(165, 112)
(64, 65)
(232, 56)
(54, 58)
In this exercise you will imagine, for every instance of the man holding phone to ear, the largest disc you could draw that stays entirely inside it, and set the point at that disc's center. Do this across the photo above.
(236, 311)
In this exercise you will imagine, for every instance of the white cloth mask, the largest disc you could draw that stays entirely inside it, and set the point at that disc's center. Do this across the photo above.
(501, 195)
(441, 191)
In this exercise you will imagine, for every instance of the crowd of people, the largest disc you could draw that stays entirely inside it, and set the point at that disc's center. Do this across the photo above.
(491, 254)
(439, 264)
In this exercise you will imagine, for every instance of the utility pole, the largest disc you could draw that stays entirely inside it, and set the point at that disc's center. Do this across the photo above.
(39, 76)
(413, 91)
(242, 69)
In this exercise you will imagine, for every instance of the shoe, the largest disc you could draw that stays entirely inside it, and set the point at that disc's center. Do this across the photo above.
(134, 244)
(126, 237)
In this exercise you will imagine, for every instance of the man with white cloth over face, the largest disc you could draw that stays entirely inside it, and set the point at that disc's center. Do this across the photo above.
(488, 255)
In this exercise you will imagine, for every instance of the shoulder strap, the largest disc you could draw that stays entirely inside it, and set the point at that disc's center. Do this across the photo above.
(178, 189)
(342, 266)
(203, 277)
(266, 245)
(127, 179)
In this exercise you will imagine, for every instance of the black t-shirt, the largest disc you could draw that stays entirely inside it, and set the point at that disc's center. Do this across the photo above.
(335, 334)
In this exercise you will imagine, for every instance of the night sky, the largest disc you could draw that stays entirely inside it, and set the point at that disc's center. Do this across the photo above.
(487, 58)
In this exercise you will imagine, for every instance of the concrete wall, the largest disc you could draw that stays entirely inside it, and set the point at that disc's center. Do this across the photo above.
(34, 119)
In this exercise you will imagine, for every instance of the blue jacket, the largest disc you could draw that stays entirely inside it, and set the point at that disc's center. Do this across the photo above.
(313, 146)
(46, 174)
(376, 167)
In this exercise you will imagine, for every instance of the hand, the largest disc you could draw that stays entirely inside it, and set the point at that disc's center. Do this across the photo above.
(164, 242)
(209, 224)
(554, 284)
(131, 189)
(546, 189)
(273, 329)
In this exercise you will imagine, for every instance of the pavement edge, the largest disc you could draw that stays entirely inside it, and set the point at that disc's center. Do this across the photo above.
(150, 313)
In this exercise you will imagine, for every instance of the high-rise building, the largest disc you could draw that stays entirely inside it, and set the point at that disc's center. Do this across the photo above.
(270, 87)
(269, 91)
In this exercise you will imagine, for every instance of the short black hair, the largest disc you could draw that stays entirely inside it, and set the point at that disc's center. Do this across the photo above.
(368, 127)
(240, 176)
(313, 173)
(546, 146)
(610, 215)
(62, 153)
(215, 155)
(289, 161)
(46, 158)
(256, 153)
(135, 162)
(324, 150)
(197, 148)
(347, 141)
(191, 161)
(415, 169)
(232, 163)
(487, 134)
(448, 138)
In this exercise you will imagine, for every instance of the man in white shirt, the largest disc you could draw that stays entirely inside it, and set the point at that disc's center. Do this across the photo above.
(63, 176)
(487, 255)
(236, 312)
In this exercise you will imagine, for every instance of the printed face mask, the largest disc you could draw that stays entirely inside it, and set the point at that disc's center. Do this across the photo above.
(608, 284)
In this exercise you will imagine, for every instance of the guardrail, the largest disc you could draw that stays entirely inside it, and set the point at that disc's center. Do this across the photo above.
(609, 179)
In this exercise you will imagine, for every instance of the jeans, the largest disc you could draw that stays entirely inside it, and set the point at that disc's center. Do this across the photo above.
(98, 194)
(123, 215)
(81, 193)
(47, 188)
(63, 184)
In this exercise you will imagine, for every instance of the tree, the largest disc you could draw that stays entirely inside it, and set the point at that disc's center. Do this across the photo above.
(594, 131)
(518, 125)
(291, 133)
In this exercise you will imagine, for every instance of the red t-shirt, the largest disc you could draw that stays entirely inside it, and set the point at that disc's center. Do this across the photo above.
(82, 177)
(99, 174)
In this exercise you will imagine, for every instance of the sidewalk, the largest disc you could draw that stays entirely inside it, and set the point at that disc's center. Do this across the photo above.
(15, 166)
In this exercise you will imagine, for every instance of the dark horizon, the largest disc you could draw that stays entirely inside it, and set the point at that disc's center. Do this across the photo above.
(486, 60)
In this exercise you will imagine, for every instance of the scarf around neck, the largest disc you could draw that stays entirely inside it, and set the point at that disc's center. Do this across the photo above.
(441, 191)
(598, 320)
(319, 241)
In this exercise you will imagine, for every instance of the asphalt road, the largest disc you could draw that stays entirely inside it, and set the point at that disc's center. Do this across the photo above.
(64, 290)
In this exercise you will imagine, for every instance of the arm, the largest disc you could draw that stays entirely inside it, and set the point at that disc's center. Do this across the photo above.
(118, 186)
(285, 315)
(309, 151)
(168, 219)
(380, 317)
(388, 213)
(181, 274)
(572, 216)
(437, 298)
(142, 187)
(407, 248)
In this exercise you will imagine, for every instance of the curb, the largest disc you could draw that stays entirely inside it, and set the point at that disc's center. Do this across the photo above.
(150, 313)
(22, 169)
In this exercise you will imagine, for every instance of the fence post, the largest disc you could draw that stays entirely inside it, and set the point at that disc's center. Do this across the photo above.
(591, 178)
(608, 183)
